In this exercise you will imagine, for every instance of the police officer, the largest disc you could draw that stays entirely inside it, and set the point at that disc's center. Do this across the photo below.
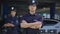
(31, 21)
(11, 23)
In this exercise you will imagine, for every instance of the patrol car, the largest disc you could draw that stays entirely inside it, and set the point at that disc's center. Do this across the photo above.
(50, 26)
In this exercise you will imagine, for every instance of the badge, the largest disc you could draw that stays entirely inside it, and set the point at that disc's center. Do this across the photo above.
(16, 21)
(35, 20)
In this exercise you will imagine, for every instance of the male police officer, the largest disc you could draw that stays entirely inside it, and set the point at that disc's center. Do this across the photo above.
(11, 23)
(31, 21)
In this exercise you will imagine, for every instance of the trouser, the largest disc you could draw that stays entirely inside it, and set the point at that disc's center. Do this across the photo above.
(30, 31)
(10, 31)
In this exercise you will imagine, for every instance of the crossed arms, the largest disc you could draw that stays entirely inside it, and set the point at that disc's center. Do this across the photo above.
(24, 24)
(34, 25)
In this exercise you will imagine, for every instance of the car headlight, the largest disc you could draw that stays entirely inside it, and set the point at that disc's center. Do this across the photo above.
(42, 31)
(52, 31)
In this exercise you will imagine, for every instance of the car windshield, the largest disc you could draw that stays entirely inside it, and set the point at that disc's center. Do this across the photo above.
(50, 21)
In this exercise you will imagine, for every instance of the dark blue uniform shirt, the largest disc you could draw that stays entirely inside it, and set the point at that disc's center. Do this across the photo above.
(14, 21)
(31, 19)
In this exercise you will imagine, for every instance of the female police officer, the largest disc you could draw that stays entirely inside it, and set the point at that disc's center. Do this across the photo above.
(11, 23)
(31, 21)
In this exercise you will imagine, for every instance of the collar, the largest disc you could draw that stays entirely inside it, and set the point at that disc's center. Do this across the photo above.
(31, 14)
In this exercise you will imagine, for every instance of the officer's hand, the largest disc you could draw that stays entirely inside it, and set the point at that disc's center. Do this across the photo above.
(36, 25)
(5, 25)
(24, 25)
(11, 25)
(33, 27)
(8, 25)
